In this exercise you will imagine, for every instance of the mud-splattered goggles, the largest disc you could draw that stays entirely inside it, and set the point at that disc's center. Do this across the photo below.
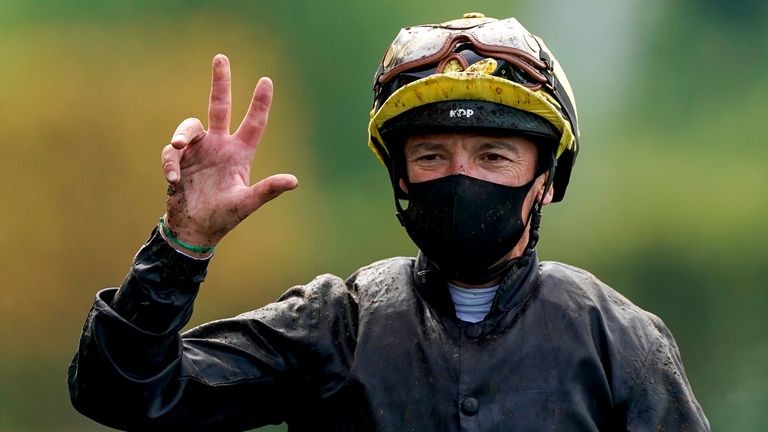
(423, 50)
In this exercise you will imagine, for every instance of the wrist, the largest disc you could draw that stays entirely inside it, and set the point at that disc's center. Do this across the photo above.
(185, 244)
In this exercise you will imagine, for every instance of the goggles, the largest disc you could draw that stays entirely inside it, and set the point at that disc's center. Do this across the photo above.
(416, 47)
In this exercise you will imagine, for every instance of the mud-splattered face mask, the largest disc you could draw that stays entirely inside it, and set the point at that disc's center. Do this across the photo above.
(464, 225)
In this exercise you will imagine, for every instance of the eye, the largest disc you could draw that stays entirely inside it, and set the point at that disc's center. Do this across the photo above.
(428, 157)
(494, 157)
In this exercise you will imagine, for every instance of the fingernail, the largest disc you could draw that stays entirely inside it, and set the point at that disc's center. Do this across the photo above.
(179, 137)
(172, 176)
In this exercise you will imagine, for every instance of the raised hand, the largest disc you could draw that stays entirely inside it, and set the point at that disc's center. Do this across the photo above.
(208, 171)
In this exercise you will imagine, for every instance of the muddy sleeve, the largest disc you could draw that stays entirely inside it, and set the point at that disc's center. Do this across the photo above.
(134, 371)
(661, 397)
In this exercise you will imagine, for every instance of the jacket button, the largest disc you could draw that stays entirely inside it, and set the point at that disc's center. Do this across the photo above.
(470, 406)
(473, 331)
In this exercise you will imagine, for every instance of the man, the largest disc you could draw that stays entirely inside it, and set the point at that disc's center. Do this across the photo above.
(476, 124)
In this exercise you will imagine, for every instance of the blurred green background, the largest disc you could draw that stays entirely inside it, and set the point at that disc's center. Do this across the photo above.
(667, 204)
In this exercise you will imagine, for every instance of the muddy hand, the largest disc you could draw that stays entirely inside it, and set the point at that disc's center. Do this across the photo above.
(208, 171)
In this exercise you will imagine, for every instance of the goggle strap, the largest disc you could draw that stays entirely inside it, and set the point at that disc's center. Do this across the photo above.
(570, 112)
(459, 58)
(560, 93)
(515, 56)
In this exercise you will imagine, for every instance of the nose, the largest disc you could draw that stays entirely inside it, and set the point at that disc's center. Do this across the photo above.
(460, 169)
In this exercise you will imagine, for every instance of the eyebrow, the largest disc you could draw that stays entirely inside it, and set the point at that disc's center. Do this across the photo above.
(499, 145)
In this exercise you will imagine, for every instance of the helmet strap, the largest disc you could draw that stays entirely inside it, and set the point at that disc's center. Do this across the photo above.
(534, 216)
(398, 171)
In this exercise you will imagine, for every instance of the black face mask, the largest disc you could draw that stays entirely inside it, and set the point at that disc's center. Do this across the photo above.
(464, 225)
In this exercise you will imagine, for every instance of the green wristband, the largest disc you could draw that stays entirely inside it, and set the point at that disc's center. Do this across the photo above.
(170, 236)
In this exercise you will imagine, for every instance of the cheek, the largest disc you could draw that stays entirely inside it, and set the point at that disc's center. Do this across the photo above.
(410, 173)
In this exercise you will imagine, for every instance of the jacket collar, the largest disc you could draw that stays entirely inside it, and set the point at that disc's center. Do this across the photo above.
(515, 289)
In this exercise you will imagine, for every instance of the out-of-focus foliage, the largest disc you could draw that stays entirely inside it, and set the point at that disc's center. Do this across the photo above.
(667, 202)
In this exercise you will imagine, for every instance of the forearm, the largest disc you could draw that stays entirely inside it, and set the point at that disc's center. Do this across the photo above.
(158, 292)
(134, 371)
(130, 340)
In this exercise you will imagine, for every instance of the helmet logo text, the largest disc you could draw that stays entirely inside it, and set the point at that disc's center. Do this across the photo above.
(467, 113)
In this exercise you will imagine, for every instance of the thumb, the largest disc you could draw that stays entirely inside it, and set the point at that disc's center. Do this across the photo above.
(267, 190)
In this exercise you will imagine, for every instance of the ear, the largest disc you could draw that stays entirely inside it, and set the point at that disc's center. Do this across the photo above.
(403, 186)
(550, 193)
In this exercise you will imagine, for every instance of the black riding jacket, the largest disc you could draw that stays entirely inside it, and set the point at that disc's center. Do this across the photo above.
(384, 351)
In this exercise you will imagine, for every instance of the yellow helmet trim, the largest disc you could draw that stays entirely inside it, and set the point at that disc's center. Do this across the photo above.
(468, 86)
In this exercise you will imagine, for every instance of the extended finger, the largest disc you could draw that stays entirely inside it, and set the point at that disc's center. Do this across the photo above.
(255, 120)
(220, 104)
(265, 191)
(170, 158)
(188, 132)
